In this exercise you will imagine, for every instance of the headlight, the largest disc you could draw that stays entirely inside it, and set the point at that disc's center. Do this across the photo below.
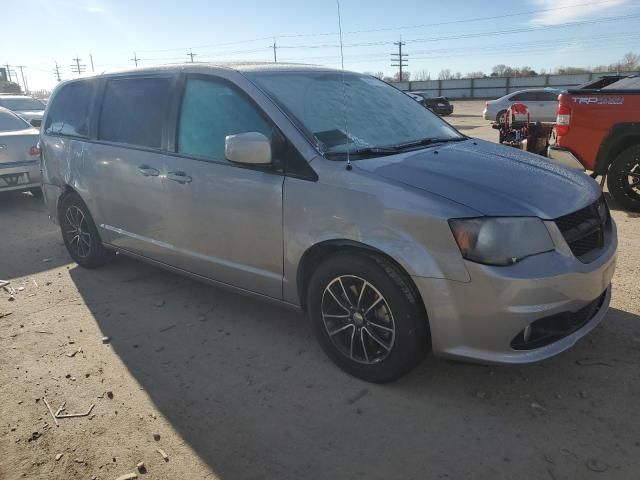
(500, 240)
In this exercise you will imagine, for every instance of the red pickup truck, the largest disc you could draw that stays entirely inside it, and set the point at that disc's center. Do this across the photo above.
(599, 130)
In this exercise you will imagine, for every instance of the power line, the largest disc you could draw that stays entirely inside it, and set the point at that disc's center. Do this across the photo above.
(473, 35)
(382, 29)
(449, 22)
(552, 42)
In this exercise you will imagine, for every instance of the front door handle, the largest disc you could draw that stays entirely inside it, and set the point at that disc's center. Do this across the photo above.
(147, 171)
(179, 176)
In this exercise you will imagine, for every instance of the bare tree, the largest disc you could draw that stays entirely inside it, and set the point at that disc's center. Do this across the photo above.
(475, 75)
(630, 62)
(379, 75)
(406, 76)
(422, 75)
(501, 70)
(445, 74)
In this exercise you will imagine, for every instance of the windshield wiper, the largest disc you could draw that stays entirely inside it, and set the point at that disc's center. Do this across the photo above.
(390, 150)
(426, 141)
(366, 151)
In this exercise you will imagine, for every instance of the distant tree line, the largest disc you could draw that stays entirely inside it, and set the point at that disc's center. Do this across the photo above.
(9, 87)
(629, 63)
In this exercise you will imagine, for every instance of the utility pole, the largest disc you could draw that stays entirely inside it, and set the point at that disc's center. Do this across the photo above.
(400, 59)
(275, 47)
(191, 54)
(57, 69)
(91, 58)
(135, 59)
(24, 83)
(78, 67)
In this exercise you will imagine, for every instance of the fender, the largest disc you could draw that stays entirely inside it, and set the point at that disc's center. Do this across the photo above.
(621, 136)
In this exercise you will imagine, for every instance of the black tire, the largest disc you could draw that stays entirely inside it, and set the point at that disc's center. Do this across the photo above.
(623, 179)
(500, 116)
(36, 192)
(80, 234)
(399, 310)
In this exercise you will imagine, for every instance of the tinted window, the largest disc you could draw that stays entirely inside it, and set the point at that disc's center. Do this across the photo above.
(548, 96)
(22, 104)
(524, 97)
(210, 111)
(133, 111)
(69, 111)
(10, 122)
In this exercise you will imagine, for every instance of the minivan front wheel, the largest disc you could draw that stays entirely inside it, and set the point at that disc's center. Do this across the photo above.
(80, 234)
(367, 316)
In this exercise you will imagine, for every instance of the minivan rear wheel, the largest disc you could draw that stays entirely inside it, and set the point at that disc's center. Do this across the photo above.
(367, 316)
(80, 234)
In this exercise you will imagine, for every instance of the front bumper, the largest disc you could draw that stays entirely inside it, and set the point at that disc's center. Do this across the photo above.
(564, 157)
(21, 175)
(478, 320)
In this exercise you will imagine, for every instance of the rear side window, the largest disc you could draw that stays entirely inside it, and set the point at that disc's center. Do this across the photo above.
(10, 123)
(524, 97)
(210, 111)
(548, 96)
(69, 112)
(134, 110)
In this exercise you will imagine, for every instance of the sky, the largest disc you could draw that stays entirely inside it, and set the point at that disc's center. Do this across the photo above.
(464, 36)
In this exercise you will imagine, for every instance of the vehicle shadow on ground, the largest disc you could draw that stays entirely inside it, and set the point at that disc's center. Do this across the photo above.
(29, 242)
(247, 387)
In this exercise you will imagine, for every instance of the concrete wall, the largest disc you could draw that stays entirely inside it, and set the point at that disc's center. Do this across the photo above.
(494, 87)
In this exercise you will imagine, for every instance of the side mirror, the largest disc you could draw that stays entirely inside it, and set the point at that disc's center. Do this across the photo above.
(251, 148)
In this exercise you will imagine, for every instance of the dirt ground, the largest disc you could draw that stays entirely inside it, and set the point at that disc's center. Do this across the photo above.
(237, 389)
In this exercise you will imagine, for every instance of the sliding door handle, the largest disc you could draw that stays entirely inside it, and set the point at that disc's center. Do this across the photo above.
(179, 176)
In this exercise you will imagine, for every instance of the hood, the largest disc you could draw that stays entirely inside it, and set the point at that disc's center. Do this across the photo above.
(490, 178)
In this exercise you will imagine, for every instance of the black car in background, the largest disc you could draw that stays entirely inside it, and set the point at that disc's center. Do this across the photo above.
(438, 105)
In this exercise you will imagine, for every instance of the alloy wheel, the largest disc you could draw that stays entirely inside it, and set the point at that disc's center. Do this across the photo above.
(632, 174)
(358, 319)
(78, 231)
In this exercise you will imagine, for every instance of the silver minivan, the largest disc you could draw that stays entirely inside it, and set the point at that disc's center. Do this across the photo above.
(337, 194)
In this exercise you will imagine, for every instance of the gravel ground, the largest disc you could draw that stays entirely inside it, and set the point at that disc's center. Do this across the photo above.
(231, 388)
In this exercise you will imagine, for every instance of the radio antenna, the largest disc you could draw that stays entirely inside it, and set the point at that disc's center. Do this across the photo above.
(344, 88)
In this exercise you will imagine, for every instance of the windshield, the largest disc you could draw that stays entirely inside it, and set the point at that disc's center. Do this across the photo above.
(10, 122)
(374, 114)
(21, 104)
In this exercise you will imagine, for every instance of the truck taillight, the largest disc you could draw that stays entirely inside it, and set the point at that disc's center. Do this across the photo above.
(563, 119)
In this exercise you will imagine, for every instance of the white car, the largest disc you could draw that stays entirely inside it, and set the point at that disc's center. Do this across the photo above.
(29, 108)
(542, 104)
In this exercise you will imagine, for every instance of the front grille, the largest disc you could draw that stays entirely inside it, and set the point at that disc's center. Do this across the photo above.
(555, 327)
(585, 231)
